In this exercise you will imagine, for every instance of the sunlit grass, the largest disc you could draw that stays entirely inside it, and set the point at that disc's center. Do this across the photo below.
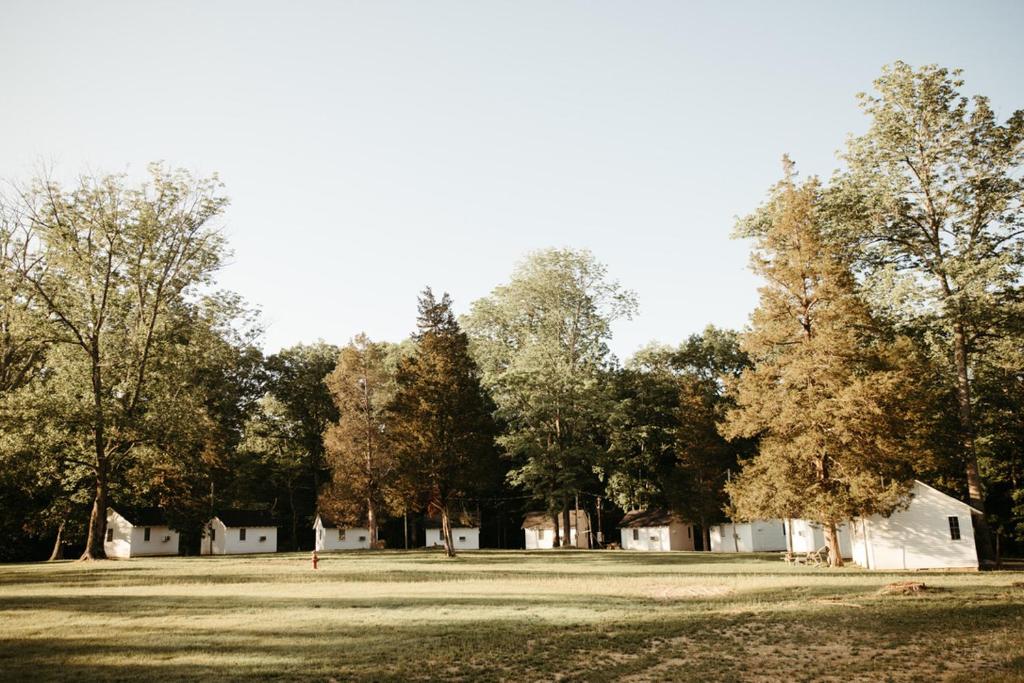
(501, 615)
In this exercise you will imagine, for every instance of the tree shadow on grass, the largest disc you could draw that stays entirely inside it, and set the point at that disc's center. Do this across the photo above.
(907, 636)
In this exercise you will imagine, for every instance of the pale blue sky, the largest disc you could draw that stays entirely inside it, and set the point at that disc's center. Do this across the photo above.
(371, 148)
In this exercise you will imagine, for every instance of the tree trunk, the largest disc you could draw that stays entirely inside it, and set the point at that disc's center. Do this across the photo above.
(581, 541)
(58, 549)
(567, 525)
(371, 523)
(789, 537)
(835, 555)
(446, 532)
(556, 541)
(97, 518)
(295, 519)
(975, 487)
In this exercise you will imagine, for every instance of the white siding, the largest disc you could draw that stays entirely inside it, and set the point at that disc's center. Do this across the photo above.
(129, 541)
(327, 539)
(121, 544)
(809, 536)
(535, 543)
(227, 540)
(748, 537)
(917, 537)
(162, 541)
(768, 535)
(677, 536)
(465, 538)
(732, 538)
(213, 538)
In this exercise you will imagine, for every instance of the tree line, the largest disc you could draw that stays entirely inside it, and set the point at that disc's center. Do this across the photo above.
(887, 345)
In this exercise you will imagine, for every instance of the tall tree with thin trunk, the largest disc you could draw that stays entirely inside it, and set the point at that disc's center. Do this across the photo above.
(542, 343)
(937, 187)
(827, 400)
(106, 262)
(442, 425)
(358, 447)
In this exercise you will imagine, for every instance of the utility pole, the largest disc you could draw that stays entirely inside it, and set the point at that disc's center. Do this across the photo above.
(600, 527)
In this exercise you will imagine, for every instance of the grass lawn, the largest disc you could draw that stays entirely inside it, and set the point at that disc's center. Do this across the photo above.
(499, 615)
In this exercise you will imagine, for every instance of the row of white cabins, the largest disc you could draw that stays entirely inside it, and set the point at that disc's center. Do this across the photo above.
(933, 531)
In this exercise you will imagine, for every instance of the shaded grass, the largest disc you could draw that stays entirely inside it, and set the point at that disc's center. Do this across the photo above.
(598, 616)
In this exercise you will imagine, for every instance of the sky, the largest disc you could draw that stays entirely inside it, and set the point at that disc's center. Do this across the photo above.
(373, 148)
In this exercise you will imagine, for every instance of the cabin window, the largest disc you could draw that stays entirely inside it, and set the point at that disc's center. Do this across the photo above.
(110, 535)
(145, 534)
(213, 534)
(362, 538)
(636, 534)
(954, 528)
(241, 534)
(540, 534)
(462, 539)
(341, 534)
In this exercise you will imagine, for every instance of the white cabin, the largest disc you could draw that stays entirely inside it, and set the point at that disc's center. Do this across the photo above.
(935, 531)
(465, 532)
(657, 530)
(760, 536)
(539, 530)
(139, 532)
(240, 532)
(330, 535)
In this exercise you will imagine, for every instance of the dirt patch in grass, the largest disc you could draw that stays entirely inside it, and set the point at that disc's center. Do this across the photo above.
(905, 588)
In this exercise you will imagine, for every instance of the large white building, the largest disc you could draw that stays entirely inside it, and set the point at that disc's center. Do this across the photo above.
(655, 530)
(934, 531)
(539, 530)
(239, 532)
(748, 537)
(465, 532)
(139, 532)
(330, 535)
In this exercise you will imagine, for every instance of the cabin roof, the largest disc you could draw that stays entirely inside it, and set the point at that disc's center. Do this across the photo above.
(649, 518)
(246, 518)
(142, 516)
(463, 520)
(329, 521)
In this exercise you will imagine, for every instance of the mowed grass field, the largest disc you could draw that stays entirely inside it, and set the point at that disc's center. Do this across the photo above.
(502, 615)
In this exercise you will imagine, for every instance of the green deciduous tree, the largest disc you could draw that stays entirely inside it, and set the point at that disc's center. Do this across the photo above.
(936, 189)
(293, 426)
(665, 448)
(541, 341)
(831, 405)
(106, 262)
